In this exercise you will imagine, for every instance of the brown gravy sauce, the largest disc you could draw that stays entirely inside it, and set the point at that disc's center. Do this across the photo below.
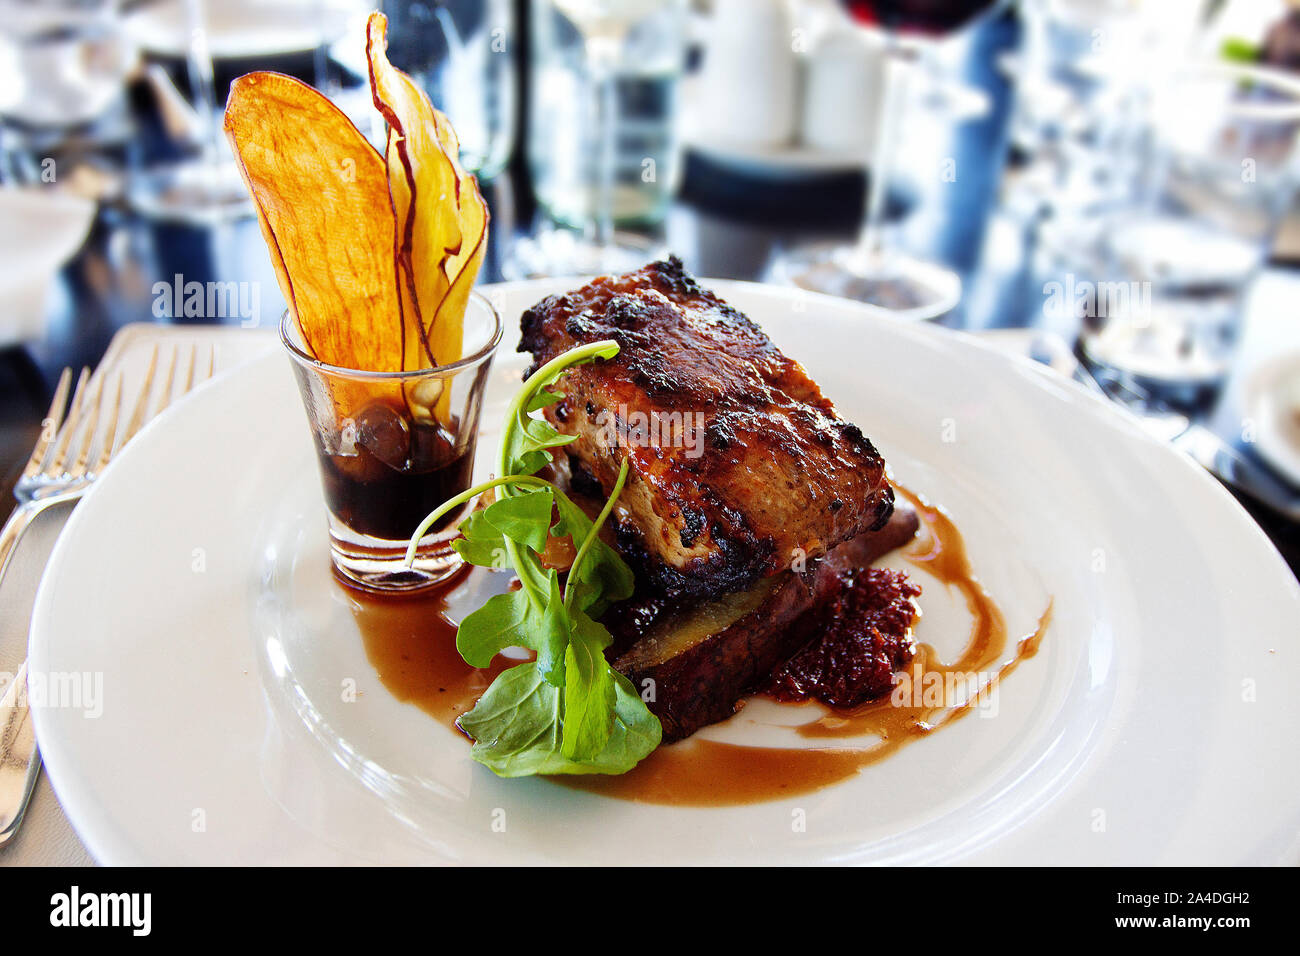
(412, 646)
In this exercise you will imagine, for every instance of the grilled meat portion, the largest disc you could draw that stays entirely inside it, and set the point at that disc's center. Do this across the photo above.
(739, 466)
(704, 657)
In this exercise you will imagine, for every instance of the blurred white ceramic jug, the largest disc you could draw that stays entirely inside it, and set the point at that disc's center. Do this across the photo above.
(750, 80)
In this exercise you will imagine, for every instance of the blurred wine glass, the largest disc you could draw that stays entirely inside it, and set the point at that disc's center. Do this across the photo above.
(62, 62)
(871, 270)
(204, 188)
(63, 66)
(596, 62)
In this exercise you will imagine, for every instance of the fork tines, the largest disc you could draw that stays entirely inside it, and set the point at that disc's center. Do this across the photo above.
(91, 423)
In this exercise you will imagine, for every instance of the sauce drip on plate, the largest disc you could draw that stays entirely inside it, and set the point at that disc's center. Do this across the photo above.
(413, 648)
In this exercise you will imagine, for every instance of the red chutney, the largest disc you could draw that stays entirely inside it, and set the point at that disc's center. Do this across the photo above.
(866, 636)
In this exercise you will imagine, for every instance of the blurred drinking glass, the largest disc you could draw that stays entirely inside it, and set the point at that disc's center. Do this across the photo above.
(1083, 78)
(205, 189)
(63, 64)
(603, 140)
(462, 52)
(871, 270)
(1170, 271)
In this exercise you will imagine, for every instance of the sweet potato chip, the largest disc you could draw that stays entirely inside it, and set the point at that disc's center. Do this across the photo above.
(321, 192)
(415, 348)
(420, 176)
(441, 216)
(461, 266)
(376, 253)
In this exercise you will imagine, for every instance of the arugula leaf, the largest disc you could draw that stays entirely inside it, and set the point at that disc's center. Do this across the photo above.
(604, 577)
(529, 445)
(482, 544)
(524, 518)
(472, 525)
(568, 711)
(517, 728)
(508, 620)
(526, 442)
(516, 724)
(588, 690)
(552, 627)
(635, 734)
(501, 622)
(543, 399)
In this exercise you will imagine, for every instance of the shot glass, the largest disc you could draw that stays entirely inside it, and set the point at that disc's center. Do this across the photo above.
(392, 446)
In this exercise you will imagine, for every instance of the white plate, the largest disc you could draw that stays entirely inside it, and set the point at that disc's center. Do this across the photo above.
(1154, 726)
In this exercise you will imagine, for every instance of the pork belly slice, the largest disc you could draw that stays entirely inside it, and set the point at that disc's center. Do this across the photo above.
(738, 464)
(703, 658)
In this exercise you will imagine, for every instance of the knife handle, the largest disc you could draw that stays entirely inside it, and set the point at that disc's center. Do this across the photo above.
(20, 761)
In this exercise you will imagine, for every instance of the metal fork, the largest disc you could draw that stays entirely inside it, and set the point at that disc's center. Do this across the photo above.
(78, 440)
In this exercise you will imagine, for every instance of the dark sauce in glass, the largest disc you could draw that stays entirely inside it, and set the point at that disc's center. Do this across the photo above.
(400, 472)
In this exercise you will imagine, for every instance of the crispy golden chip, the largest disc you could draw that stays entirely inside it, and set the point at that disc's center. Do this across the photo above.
(420, 176)
(461, 266)
(441, 216)
(447, 334)
(376, 253)
(322, 197)
(415, 347)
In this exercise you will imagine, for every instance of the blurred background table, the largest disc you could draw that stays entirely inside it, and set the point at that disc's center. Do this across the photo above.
(727, 217)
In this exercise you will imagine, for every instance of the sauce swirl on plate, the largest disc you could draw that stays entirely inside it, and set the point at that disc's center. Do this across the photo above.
(412, 646)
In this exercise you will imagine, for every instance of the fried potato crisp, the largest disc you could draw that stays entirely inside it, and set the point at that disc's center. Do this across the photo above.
(375, 253)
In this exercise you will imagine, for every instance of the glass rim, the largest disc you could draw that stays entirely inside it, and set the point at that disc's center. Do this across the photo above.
(305, 358)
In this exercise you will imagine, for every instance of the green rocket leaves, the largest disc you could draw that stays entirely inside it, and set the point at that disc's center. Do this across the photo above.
(568, 711)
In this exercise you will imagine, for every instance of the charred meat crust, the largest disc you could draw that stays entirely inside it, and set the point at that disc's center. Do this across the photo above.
(729, 567)
(772, 473)
(703, 682)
